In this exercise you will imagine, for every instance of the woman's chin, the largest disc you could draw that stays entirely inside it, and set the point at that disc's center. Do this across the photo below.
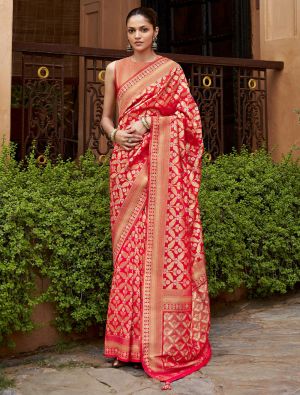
(140, 48)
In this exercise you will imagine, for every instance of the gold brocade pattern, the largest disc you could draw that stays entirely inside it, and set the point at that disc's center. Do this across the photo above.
(159, 310)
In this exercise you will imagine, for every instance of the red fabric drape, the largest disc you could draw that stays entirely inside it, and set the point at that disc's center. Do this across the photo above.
(159, 310)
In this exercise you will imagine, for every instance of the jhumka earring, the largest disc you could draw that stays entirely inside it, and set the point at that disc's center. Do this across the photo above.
(129, 48)
(154, 43)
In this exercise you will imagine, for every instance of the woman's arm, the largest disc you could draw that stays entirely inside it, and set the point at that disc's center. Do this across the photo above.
(109, 107)
(109, 104)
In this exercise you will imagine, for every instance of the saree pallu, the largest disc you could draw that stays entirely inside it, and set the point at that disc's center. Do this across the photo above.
(159, 310)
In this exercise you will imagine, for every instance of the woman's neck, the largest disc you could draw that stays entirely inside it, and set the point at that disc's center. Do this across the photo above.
(144, 57)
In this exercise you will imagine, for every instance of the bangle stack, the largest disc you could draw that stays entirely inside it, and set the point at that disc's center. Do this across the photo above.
(113, 134)
(145, 123)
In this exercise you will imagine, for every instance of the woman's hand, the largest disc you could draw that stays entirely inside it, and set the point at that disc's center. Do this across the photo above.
(122, 136)
(138, 128)
(133, 132)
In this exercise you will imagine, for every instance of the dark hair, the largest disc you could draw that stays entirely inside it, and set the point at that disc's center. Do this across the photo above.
(146, 12)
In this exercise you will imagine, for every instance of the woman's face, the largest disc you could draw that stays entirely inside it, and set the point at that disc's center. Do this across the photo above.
(140, 33)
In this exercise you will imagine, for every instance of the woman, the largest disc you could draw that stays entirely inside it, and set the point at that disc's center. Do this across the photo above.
(159, 311)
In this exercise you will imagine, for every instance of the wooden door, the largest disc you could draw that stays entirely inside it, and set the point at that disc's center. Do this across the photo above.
(102, 25)
(204, 27)
(209, 28)
(90, 36)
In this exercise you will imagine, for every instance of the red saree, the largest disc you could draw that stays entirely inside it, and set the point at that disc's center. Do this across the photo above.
(159, 311)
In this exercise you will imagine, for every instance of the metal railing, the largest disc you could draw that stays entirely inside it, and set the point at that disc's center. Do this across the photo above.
(65, 112)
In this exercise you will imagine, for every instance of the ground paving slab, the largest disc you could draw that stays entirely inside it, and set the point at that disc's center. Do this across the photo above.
(255, 350)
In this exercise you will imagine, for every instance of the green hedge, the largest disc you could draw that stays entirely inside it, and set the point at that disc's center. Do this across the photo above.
(250, 215)
(54, 223)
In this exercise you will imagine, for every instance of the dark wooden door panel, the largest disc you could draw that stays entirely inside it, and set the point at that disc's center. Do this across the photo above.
(204, 27)
(209, 28)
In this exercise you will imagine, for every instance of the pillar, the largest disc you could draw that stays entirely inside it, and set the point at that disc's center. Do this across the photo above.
(6, 23)
(276, 36)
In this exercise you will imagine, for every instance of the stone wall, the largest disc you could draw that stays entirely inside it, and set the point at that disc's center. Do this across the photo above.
(275, 27)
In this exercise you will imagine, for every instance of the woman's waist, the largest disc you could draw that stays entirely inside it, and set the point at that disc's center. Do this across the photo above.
(127, 118)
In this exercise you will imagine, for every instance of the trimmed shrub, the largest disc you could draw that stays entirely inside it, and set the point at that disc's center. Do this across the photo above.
(250, 216)
(55, 224)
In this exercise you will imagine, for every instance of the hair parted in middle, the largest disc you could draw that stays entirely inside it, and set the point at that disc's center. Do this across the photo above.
(146, 12)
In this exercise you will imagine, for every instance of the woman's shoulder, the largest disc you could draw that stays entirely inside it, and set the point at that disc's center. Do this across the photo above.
(172, 63)
(111, 66)
(116, 64)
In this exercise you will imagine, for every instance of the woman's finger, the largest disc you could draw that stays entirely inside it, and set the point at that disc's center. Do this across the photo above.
(132, 132)
(131, 144)
(133, 137)
(130, 129)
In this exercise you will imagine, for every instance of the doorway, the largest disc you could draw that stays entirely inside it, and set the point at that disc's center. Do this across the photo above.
(208, 28)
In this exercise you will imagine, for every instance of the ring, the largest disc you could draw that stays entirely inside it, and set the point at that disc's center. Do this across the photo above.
(43, 72)
(129, 140)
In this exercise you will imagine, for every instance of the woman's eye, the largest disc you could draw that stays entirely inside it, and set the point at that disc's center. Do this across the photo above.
(144, 30)
(130, 31)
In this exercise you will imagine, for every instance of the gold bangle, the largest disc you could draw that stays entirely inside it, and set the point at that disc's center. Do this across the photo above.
(145, 122)
(113, 133)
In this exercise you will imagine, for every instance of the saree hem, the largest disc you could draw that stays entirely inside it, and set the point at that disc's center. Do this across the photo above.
(122, 359)
(174, 377)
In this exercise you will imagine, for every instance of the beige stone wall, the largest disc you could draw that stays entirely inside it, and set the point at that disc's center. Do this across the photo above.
(276, 36)
(6, 13)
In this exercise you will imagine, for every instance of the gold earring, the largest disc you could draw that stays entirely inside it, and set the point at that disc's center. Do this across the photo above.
(154, 43)
(129, 47)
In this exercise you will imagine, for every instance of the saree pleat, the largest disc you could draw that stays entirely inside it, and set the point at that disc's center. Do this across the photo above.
(159, 311)
(124, 313)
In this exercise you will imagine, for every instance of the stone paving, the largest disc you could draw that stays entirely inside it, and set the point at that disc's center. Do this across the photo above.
(255, 345)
